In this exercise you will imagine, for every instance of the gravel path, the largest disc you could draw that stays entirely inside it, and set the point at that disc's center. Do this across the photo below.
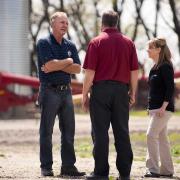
(19, 149)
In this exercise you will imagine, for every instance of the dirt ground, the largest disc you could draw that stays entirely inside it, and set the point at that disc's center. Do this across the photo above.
(19, 149)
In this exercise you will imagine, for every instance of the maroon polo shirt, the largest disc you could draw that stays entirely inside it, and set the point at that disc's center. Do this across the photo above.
(112, 56)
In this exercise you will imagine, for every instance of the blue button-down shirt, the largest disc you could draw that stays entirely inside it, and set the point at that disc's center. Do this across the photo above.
(48, 49)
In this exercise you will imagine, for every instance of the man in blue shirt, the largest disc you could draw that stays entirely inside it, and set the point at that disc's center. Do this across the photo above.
(57, 60)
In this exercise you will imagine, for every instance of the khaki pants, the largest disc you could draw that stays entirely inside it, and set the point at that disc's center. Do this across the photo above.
(158, 145)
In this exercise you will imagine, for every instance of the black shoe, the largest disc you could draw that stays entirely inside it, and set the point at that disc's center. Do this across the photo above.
(166, 175)
(70, 171)
(96, 177)
(47, 172)
(152, 175)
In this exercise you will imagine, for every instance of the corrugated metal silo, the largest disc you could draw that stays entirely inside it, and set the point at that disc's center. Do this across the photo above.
(14, 55)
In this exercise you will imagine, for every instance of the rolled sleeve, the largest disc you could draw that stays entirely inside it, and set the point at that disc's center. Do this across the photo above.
(90, 61)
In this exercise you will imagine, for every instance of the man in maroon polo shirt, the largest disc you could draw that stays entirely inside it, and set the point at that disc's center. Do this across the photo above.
(111, 71)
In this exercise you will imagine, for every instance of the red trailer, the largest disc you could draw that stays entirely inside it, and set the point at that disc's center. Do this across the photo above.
(8, 98)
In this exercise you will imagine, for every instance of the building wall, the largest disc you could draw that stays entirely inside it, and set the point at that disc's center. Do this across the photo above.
(14, 54)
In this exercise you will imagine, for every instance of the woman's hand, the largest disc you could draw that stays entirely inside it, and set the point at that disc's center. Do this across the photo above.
(160, 112)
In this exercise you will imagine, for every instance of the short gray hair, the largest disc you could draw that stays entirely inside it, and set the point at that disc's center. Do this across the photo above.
(57, 14)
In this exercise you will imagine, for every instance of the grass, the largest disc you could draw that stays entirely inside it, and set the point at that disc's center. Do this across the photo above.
(175, 150)
(143, 113)
(2, 155)
(177, 161)
(84, 146)
(174, 137)
(138, 137)
(139, 113)
(139, 158)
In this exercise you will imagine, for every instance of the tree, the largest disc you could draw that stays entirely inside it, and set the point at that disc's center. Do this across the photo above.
(84, 20)
(176, 20)
(39, 21)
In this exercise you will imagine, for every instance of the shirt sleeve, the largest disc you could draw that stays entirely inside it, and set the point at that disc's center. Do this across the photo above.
(75, 55)
(91, 59)
(167, 73)
(44, 51)
(134, 59)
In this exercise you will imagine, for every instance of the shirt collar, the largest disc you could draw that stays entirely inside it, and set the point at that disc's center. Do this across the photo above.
(54, 40)
(110, 30)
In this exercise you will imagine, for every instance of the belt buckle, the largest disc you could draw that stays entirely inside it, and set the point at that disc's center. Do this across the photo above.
(63, 87)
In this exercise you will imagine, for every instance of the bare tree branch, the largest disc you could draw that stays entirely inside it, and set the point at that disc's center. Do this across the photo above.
(176, 21)
(118, 10)
(95, 2)
(139, 20)
(156, 18)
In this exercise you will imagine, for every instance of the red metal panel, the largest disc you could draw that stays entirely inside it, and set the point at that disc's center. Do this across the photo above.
(10, 99)
(9, 78)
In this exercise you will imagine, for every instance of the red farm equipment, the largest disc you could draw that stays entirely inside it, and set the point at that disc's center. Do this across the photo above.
(10, 98)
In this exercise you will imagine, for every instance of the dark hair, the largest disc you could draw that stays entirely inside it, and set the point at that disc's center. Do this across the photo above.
(165, 54)
(110, 18)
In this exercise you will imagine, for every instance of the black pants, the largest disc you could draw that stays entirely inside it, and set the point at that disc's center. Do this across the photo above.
(109, 104)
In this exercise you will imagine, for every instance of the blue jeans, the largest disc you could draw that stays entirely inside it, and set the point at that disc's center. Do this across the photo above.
(54, 103)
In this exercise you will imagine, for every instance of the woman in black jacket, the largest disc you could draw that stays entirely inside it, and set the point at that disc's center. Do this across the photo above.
(160, 106)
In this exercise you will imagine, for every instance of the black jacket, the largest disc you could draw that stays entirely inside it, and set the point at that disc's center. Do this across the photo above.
(161, 87)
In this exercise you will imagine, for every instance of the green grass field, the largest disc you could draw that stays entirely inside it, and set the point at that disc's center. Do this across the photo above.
(140, 113)
(143, 113)
(83, 146)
